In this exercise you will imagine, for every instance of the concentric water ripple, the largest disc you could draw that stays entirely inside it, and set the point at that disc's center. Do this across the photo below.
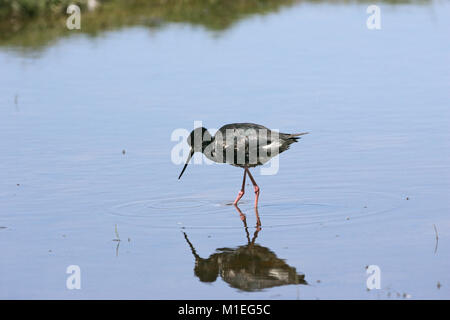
(318, 207)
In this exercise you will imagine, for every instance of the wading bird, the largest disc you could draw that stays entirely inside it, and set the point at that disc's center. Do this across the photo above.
(243, 145)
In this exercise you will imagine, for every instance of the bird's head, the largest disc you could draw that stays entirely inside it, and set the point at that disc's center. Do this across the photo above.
(198, 140)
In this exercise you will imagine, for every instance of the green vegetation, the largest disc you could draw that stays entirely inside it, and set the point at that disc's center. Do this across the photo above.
(35, 23)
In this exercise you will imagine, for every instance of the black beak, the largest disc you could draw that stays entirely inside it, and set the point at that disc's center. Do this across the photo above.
(187, 162)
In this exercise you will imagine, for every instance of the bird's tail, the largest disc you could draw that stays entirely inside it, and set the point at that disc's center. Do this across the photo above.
(291, 138)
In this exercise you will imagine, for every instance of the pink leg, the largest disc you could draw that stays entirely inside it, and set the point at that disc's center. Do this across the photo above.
(241, 193)
(255, 186)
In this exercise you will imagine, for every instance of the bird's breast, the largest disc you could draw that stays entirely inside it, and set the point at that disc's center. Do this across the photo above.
(242, 150)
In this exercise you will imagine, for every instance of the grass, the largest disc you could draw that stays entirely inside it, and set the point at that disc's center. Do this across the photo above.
(33, 24)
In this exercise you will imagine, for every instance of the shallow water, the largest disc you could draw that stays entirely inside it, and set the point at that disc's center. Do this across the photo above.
(365, 187)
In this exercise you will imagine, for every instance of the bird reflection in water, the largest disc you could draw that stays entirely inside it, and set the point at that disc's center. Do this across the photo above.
(250, 267)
